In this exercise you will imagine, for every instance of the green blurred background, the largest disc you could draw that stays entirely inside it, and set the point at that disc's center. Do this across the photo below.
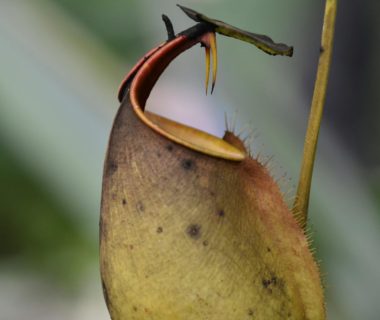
(60, 65)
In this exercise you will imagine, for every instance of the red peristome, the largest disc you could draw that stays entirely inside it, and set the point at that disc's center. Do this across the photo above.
(134, 70)
(148, 73)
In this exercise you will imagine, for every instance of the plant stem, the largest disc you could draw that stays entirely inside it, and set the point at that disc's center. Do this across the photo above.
(301, 204)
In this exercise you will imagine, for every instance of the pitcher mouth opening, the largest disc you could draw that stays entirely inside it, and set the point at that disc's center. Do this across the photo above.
(193, 138)
(143, 76)
(147, 73)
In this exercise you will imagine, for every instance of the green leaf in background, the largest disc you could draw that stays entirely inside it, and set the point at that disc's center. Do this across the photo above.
(36, 231)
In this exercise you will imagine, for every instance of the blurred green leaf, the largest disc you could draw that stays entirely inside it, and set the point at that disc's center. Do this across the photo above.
(36, 231)
(113, 21)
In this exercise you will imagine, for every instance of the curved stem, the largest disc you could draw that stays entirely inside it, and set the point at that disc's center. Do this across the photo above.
(301, 204)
